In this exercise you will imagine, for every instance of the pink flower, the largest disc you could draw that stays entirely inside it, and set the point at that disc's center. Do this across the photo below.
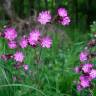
(84, 77)
(46, 42)
(12, 44)
(19, 57)
(87, 68)
(34, 37)
(65, 21)
(62, 12)
(23, 42)
(93, 73)
(26, 67)
(10, 33)
(85, 83)
(83, 56)
(44, 17)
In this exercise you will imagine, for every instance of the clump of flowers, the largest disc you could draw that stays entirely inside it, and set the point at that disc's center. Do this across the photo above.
(86, 68)
(33, 39)
(63, 16)
(45, 17)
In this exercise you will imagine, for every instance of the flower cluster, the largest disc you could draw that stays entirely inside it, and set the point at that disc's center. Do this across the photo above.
(86, 67)
(64, 18)
(45, 17)
(33, 39)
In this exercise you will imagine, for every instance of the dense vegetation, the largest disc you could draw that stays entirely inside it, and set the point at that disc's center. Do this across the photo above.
(47, 69)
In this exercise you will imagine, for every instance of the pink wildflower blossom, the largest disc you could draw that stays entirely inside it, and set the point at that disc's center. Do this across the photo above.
(44, 17)
(10, 33)
(62, 12)
(34, 37)
(19, 57)
(87, 68)
(65, 21)
(23, 42)
(46, 42)
(12, 44)
(83, 56)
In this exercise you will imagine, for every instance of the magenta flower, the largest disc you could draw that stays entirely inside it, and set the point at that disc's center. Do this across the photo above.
(65, 21)
(19, 57)
(46, 42)
(10, 33)
(44, 17)
(93, 74)
(83, 56)
(85, 83)
(87, 68)
(23, 42)
(12, 44)
(34, 37)
(84, 77)
(26, 67)
(62, 12)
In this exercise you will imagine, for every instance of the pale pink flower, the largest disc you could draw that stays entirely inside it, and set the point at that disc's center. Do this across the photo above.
(23, 42)
(10, 33)
(46, 42)
(44, 17)
(18, 56)
(12, 44)
(62, 12)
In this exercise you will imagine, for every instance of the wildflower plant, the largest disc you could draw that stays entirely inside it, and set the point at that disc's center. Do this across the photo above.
(87, 69)
(34, 39)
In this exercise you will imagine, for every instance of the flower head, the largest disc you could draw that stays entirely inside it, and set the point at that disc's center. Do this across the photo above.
(44, 17)
(10, 33)
(87, 68)
(34, 37)
(83, 56)
(18, 56)
(65, 21)
(93, 74)
(62, 12)
(12, 44)
(46, 42)
(85, 83)
(23, 42)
